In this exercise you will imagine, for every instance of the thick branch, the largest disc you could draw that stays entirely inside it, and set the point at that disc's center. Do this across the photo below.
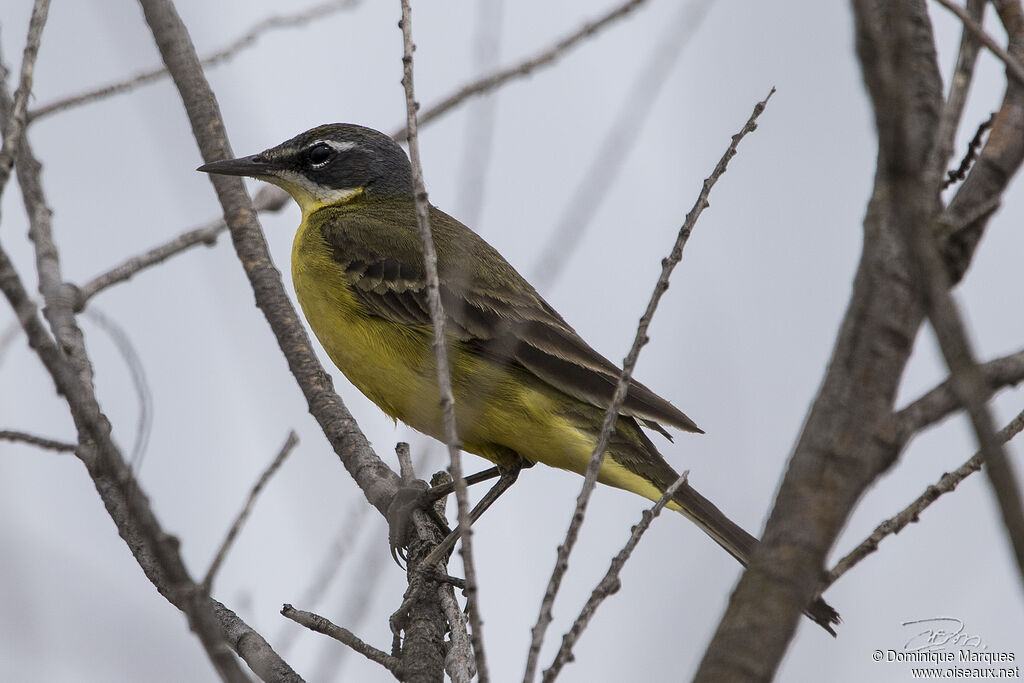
(843, 445)
(65, 358)
(154, 550)
(961, 224)
(376, 480)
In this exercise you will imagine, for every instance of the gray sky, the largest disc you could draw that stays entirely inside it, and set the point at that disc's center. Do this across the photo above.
(740, 341)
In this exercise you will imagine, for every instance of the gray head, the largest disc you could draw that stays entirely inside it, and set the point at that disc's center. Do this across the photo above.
(328, 164)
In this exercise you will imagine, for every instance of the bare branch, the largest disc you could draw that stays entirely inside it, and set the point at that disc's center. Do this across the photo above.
(960, 84)
(14, 119)
(940, 402)
(609, 583)
(846, 440)
(915, 220)
(269, 198)
(256, 31)
(459, 663)
(612, 413)
(946, 484)
(373, 477)
(524, 68)
(66, 360)
(966, 380)
(405, 467)
(1013, 67)
(56, 294)
(243, 514)
(972, 153)
(41, 442)
(444, 381)
(421, 615)
(154, 550)
(328, 567)
(963, 221)
(317, 623)
(351, 604)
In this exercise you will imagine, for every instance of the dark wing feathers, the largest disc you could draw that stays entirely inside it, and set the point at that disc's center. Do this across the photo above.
(487, 304)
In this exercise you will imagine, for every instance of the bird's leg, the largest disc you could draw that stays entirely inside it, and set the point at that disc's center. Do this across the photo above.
(505, 480)
(435, 493)
(418, 496)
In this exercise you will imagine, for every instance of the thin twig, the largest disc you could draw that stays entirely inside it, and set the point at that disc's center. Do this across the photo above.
(946, 484)
(609, 583)
(1012, 65)
(269, 198)
(351, 605)
(598, 181)
(14, 121)
(959, 85)
(612, 413)
(144, 422)
(245, 40)
(523, 68)
(329, 567)
(972, 153)
(440, 347)
(243, 514)
(41, 442)
(315, 622)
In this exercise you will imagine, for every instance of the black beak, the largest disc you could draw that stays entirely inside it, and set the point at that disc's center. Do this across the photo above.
(253, 166)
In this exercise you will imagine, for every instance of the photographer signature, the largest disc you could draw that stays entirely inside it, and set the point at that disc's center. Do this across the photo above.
(940, 633)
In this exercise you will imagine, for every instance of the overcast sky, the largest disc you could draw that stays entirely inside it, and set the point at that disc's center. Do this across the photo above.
(740, 341)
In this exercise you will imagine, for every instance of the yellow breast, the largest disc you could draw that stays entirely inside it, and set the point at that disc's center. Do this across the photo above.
(386, 361)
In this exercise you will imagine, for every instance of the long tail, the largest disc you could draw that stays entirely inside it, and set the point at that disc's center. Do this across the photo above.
(739, 544)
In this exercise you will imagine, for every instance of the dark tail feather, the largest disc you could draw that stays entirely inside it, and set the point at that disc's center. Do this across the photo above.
(740, 544)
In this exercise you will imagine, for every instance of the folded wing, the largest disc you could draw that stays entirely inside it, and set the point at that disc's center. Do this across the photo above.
(487, 304)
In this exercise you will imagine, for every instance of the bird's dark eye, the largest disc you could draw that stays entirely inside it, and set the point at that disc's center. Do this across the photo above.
(320, 154)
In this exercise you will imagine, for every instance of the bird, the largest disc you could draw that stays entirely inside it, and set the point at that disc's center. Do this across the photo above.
(528, 389)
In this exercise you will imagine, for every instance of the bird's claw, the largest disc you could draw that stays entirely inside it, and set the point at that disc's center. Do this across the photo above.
(408, 498)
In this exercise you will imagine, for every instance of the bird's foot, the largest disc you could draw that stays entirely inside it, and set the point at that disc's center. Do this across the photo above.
(408, 499)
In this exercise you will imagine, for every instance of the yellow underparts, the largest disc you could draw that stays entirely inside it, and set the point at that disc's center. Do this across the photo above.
(502, 414)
